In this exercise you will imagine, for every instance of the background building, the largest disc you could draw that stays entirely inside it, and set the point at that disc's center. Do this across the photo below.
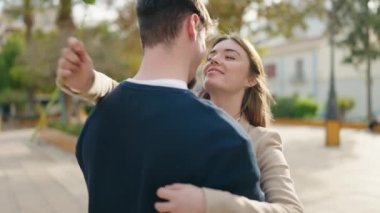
(301, 67)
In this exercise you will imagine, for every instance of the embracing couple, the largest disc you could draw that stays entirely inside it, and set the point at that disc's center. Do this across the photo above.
(151, 145)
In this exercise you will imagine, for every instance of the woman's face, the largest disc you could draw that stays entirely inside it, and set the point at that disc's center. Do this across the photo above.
(227, 68)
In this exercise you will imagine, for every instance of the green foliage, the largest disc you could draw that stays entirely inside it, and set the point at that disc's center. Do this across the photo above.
(73, 129)
(8, 96)
(294, 107)
(36, 64)
(284, 107)
(9, 52)
(131, 45)
(361, 20)
(360, 23)
(305, 107)
(280, 17)
(110, 58)
(89, 1)
(345, 104)
(228, 13)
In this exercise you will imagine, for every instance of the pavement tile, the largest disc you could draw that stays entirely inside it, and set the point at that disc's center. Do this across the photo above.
(38, 178)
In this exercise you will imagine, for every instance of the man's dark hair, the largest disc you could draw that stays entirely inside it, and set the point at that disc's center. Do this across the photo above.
(161, 20)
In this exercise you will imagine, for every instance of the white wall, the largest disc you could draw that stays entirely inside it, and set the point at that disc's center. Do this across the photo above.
(350, 80)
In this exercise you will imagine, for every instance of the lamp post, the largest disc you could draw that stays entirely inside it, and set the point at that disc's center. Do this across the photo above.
(371, 7)
(332, 122)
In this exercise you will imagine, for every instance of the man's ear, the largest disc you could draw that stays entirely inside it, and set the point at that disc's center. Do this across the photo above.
(192, 26)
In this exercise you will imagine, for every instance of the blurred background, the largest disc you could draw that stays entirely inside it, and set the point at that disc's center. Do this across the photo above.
(323, 67)
(309, 47)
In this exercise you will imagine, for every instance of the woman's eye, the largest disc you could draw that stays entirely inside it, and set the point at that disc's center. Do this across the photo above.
(230, 57)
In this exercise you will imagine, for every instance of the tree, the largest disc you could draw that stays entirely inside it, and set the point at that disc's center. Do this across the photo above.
(64, 19)
(9, 52)
(10, 95)
(362, 38)
(262, 16)
(28, 18)
(127, 22)
(111, 59)
(228, 13)
(26, 9)
(66, 28)
(230, 16)
(36, 64)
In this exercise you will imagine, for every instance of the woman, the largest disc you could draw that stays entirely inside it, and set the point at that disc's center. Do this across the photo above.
(235, 81)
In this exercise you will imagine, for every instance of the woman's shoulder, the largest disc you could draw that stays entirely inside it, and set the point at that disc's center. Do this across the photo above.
(264, 138)
(262, 132)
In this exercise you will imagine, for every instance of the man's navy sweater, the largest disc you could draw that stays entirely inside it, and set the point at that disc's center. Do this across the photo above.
(140, 138)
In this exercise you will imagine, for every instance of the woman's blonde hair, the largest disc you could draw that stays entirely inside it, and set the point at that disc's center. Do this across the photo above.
(256, 101)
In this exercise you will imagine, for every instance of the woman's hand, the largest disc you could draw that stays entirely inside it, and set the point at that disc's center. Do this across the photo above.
(181, 198)
(75, 68)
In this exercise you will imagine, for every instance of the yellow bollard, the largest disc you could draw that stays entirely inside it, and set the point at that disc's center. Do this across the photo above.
(332, 132)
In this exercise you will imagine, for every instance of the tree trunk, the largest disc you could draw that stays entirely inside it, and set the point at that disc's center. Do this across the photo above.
(31, 97)
(28, 18)
(66, 27)
(64, 20)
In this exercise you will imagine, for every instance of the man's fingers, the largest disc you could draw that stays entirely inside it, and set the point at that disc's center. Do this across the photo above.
(164, 206)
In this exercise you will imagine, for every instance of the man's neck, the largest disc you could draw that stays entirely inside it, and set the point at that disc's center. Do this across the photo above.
(163, 63)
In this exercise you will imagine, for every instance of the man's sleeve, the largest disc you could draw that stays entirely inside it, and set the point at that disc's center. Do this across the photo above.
(232, 167)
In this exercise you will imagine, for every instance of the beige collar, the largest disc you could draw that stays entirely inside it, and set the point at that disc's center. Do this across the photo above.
(244, 123)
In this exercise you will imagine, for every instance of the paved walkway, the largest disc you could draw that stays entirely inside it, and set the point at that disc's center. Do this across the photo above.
(334, 180)
(38, 178)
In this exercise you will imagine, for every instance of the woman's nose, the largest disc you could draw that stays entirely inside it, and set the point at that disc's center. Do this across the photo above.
(214, 60)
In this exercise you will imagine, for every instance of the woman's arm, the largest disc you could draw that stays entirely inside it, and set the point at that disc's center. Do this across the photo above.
(275, 181)
(101, 86)
(76, 75)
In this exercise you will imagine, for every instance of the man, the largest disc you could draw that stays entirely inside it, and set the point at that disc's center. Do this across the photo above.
(151, 131)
